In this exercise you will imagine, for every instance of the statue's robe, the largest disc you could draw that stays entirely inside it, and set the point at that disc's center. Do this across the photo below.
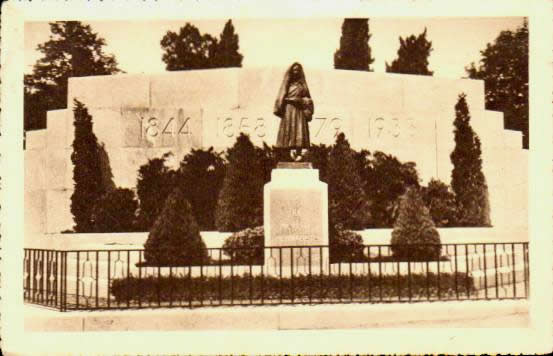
(295, 115)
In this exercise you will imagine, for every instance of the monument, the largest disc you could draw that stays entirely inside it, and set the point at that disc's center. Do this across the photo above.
(295, 201)
(142, 116)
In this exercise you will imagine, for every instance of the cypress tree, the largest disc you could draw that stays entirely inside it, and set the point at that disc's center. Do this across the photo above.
(467, 179)
(227, 54)
(348, 205)
(414, 237)
(89, 182)
(240, 203)
(354, 52)
(175, 237)
(412, 56)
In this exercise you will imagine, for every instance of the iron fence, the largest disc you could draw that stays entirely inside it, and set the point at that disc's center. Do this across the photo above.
(117, 279)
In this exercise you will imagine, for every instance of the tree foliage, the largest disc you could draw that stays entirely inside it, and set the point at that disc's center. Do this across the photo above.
(347, 203)
(200, 178)
(354, 52)
(414, 237)
(504, 69)
(154, 184)
(189, 49)
(115, 211)
(440, 201)
(467, 179)
(385, 180)
(412, 56)
(89, 180)
(240, 203)
(73, 50)
(175, 237)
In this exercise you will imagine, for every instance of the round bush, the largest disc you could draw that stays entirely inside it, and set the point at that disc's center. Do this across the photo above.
(345, 245)
(246, 246)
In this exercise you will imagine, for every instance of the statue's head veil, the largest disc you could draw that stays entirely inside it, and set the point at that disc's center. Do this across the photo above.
(279, 102)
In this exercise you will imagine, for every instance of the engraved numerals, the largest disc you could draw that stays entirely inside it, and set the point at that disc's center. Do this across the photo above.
(389, 127)
(231, 127)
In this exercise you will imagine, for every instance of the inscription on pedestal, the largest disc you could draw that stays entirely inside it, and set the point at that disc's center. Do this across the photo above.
(296, 218)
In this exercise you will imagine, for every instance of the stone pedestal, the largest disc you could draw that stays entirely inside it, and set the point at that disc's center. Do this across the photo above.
(296, 219)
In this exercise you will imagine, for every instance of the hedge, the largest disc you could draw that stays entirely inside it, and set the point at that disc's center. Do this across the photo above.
(180, 288)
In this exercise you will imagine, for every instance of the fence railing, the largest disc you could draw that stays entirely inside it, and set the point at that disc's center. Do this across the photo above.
(116, 279)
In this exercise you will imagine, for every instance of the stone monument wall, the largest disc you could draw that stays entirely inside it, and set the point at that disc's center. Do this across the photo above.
(137, 117)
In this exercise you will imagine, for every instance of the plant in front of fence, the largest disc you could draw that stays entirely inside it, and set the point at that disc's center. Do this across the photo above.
(175, 237)
(345, 245)
(326, 288)
(246, 247)
(415, 237)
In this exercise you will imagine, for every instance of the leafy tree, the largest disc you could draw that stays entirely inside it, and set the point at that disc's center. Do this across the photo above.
(87, 170)
(414, 237)
(345, 245)
(200, 178)
(246, 246)
(354, 52)
(385, 180)
(175, 237)
(189, 49)
(504, 69)
(73, 50)
(412, 56)
(115, 211)
(154, 184)
(268, 158)
(347, 201)
(227, 54)
(240, 203)
(467, 179)
(440, 202)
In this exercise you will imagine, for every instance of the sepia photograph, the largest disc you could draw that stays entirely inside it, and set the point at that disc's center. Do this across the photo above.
(256, 174)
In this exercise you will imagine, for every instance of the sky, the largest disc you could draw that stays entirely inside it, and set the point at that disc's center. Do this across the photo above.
(456, 42)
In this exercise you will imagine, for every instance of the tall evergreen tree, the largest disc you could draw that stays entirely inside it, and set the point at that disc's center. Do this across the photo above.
(240, 203)
(200, 178)
(467, 179)
(348, 205)
(154, 184)
(504, 69)
(354, 52)
(412, 56)
(414, 236)
(73, 50)
(175, 237)
(89, 182)
(227, 54)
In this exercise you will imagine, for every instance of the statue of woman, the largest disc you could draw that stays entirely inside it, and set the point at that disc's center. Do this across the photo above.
(295, 108)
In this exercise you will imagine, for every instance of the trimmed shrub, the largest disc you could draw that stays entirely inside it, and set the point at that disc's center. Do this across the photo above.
(115, 211)
(415, 237)
(175, 237)
(246, 247)
(345, 245)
